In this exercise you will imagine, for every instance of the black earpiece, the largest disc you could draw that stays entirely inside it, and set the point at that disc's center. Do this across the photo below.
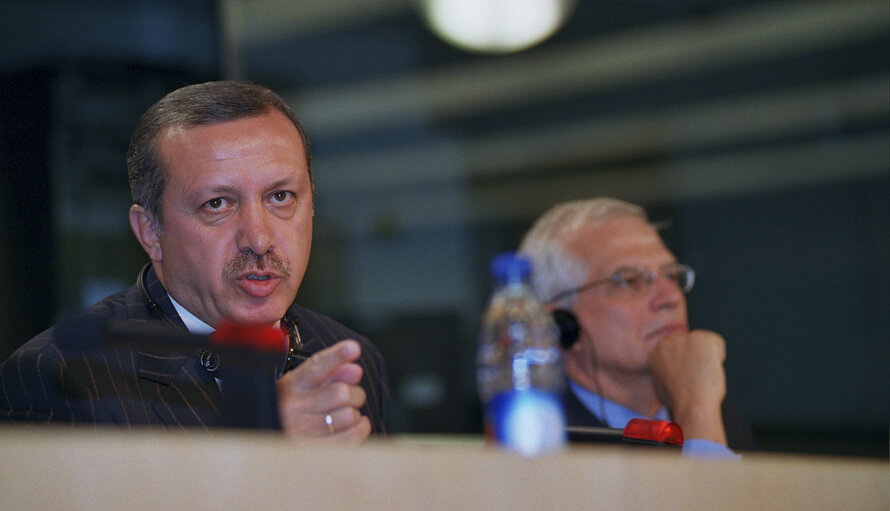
(569, 331)
(153, 308)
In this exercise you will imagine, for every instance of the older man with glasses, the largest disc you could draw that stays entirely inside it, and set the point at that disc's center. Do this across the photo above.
(605, 269)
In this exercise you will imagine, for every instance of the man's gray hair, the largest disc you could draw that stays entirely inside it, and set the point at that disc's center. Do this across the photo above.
(554, 267)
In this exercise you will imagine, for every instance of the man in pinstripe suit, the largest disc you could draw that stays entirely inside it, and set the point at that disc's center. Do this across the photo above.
(223, 204)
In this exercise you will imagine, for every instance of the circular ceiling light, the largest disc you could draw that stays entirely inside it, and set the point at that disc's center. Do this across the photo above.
(495, 26)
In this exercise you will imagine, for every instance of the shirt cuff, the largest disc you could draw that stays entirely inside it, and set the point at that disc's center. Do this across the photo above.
(705, 449)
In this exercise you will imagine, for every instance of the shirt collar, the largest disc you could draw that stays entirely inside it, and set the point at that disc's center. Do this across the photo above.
(194, 325)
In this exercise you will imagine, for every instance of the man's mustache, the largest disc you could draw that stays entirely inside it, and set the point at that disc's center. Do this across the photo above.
(248, 260)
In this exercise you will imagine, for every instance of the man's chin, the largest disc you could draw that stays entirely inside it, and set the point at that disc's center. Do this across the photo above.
(252, 314)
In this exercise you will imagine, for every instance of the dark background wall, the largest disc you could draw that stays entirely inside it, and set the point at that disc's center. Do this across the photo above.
(759, 129)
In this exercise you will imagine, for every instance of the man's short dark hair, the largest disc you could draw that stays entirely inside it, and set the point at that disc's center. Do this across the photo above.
(190, 106)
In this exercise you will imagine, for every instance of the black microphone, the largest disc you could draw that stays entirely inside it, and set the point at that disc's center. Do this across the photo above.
(88, 331)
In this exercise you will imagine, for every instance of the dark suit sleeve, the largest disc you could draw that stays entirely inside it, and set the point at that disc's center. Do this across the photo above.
(41, 383)
(31, 385)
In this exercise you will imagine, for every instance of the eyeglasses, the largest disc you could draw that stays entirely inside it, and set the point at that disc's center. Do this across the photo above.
(633, 281)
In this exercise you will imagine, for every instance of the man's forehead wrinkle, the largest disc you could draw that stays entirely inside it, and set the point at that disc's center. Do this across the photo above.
(608, 241)
(220, 150)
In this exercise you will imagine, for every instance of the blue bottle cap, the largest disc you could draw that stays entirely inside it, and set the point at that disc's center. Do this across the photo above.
(510, 267)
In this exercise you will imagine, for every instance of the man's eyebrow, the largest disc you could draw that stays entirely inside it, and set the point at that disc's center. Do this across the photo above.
(629, 267)
(639, 267)
(285, 182)
(202, 192)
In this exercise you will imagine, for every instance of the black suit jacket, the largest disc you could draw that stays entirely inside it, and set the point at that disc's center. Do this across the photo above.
(62, 380)
(738, 431)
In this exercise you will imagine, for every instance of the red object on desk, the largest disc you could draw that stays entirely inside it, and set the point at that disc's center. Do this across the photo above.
(647, 430)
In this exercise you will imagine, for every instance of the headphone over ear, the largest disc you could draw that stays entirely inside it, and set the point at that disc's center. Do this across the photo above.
(569, 331)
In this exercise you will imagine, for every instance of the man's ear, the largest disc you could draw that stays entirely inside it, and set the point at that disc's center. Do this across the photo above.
(143, 226)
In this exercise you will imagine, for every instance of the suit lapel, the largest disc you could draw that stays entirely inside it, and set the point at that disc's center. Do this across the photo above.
(576, 413)
(186, 394)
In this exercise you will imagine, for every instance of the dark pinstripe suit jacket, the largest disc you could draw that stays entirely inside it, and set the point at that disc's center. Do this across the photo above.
(47, 381)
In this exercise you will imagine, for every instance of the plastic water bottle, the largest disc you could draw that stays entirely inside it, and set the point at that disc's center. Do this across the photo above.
(518, 366)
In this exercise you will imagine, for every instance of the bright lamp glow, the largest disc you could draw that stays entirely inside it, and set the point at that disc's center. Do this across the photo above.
(495, 26)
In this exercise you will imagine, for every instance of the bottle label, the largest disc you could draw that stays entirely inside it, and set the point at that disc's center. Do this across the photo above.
(530, 422)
